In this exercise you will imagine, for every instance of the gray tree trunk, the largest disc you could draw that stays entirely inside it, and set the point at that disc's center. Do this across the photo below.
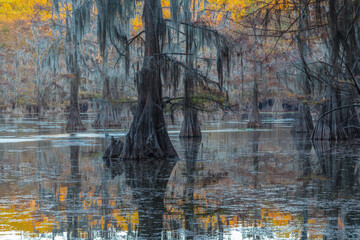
(254, 118)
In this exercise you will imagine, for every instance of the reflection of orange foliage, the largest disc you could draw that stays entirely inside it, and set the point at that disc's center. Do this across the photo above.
(277, 218)
(63, 192)
(340, 224)
(24, 219)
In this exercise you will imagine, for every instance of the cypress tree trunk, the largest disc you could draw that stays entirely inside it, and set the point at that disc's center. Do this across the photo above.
(108, 111)
(148, 136)
(190, 126)
(40, 104)
(72, 65)
(303, 121)
(332, 125)
(74, 121)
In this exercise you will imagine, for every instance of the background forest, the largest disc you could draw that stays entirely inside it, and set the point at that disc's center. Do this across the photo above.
(218, 58)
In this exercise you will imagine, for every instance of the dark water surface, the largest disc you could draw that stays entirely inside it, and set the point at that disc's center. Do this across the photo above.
(235, 183)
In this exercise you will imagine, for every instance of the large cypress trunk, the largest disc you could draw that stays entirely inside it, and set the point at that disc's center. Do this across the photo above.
(148, 135)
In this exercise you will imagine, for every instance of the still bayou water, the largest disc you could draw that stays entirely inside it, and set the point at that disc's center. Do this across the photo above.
(235, 183)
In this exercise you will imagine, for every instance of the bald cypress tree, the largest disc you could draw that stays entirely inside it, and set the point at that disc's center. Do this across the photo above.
(339, 120)
(77, 23)
(165, 60)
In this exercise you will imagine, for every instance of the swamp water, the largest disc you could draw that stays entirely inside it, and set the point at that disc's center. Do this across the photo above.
(235, 183)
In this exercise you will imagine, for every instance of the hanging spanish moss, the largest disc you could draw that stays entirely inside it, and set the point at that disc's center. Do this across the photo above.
(173, 49)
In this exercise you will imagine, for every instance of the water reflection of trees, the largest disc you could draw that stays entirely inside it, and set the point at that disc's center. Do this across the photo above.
(147, 180)
(190, 213)
(338, 163)
(191, 150)
(330, 178)
(72, 197)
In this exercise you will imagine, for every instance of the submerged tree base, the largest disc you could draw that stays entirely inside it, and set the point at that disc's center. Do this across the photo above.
(254, 124)
(148, 136)
(336, 123)
(303, 122)
(75, 125)
(107, 117)
(190, 126)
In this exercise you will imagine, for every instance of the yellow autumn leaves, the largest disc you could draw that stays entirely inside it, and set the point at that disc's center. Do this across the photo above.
(11, 10)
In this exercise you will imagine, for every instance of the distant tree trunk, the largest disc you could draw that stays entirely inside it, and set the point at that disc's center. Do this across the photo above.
(40, 106)
(72, 65)
(332, 125)
(148, 136)
(303, 121)
(190, 126)
(254, 118)
(108, 111)
(74, 122)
